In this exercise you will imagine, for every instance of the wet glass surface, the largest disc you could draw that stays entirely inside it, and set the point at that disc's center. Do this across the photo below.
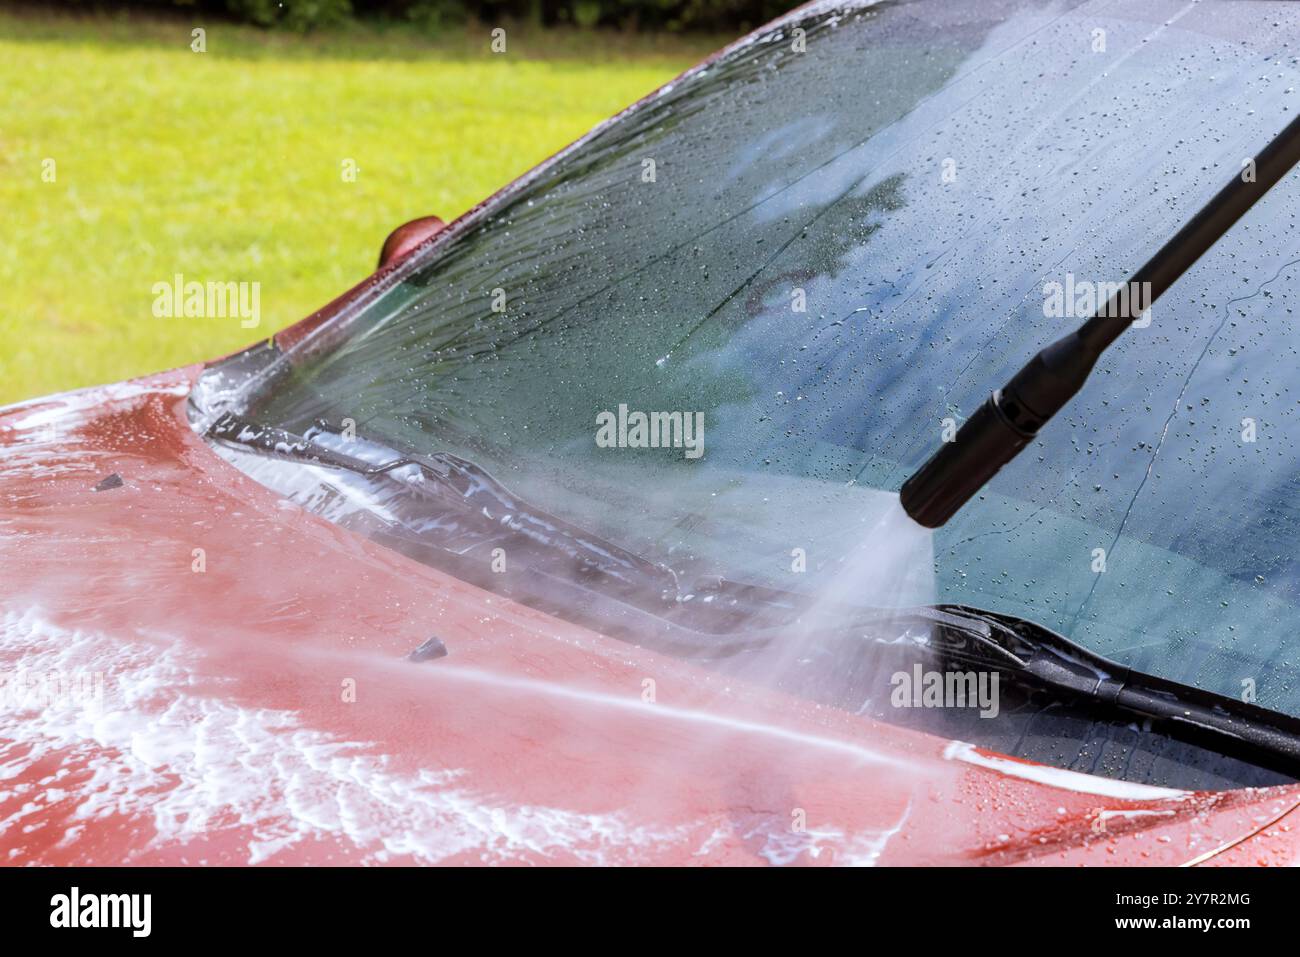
(913, 179)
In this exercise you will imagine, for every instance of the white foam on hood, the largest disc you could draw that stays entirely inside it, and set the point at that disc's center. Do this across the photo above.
(195, 765)
(160, 747)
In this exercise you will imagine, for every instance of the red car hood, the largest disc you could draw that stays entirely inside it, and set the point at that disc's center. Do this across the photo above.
(234, 689)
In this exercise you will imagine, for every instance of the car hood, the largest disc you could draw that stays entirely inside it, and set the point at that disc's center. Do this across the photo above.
(199, 672)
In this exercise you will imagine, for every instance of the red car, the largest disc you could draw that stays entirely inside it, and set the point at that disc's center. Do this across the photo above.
(559, 539)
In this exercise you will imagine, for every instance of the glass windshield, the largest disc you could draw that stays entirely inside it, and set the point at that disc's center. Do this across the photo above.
(814, 255)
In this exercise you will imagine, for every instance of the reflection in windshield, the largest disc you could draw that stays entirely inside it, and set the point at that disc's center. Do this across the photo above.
(835, 254)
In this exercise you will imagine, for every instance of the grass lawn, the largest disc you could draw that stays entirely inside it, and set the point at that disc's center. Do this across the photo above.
(228, 165)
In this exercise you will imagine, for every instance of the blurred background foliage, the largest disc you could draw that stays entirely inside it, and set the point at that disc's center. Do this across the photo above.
(305, 15)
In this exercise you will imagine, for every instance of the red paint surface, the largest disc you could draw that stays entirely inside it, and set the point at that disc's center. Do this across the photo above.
(231, 741)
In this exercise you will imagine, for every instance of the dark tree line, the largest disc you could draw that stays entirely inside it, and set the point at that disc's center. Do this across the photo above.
(729, 15)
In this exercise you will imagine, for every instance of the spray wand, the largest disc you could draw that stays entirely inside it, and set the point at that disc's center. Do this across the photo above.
(1011, 417)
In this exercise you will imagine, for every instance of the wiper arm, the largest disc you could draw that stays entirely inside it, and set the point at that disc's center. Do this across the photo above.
(447, 512)
(285, 444)
(450, 479)
(1037, 655)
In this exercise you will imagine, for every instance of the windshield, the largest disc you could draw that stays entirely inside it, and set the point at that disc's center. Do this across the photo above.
(807, 260)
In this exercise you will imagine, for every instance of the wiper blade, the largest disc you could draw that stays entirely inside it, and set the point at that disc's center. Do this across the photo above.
(285, 444)
(447, 477)
(1036, 655)
(448, 512)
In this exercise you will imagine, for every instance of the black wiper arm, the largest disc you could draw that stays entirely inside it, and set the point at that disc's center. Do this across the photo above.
(1011, 417)
(1039, 656)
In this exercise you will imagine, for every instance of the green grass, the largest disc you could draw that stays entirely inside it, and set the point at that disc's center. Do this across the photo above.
(227, 165)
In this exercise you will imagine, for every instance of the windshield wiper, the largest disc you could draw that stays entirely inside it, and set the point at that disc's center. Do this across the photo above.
(1035, 655)
(448, 512)
(449, 479)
